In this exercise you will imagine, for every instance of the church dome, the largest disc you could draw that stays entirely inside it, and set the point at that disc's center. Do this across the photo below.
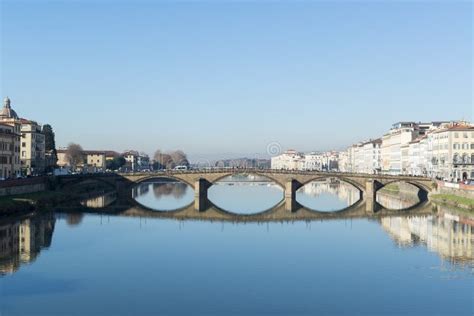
(7, 112)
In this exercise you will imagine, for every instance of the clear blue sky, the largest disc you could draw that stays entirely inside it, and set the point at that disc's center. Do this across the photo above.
(216, 78)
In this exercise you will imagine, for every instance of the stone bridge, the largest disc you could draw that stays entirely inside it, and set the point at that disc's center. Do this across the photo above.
(289, 181)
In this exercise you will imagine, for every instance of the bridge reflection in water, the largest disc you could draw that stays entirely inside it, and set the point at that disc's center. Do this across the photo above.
(150, 200)
(449, 234)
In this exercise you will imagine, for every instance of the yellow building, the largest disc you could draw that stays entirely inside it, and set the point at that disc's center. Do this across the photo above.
(93, 160)
(452, 152)
(62, 158)
(8, 141)
(8, 117)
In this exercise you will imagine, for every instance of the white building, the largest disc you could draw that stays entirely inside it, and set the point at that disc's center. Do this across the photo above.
(344, 162)
(136, 161)
(32, 147)
(143, 162)
(395, 149)
(331, 161)
(362, 157)
(371, 161)
(313, 161)
(391, 150)
(418, 160)
(289, 160)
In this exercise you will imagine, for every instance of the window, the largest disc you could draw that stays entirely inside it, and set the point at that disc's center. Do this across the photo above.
(456, 158)
(466, 159)
(464, 135)
(23, 144)
(472, 145)
(456, 135)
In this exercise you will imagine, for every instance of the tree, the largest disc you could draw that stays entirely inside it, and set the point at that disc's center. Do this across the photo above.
(49, 142)
(74, 155)
(170, 160)
(162, 160)
(50, 147)
(115, 163)
(74, 219)
(179, 158)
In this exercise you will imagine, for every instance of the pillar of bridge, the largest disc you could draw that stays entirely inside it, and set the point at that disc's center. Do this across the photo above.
(200, 194)
(291, 186)
(371, 187)
(124, 189)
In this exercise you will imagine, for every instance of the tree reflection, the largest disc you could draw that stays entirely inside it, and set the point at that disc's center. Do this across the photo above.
(74, 219)
(176, 189)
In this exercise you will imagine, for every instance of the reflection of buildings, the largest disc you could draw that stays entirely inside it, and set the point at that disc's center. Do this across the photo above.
(245, 178)
(21, 242)
(447, 235)
(100, 201)
(160, 189)
(397, 202)
(344, 192)
(250, 180)
(140, 189)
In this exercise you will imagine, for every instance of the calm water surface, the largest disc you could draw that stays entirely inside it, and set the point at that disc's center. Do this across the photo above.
(91, 264)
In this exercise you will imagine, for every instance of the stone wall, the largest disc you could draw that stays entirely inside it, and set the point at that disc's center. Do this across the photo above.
(23, 186)
(459, 192)
(466, 191)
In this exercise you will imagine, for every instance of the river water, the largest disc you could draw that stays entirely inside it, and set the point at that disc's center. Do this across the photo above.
(100, 262)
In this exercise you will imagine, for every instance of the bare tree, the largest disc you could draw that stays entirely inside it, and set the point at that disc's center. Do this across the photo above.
(164, 160)
(179, 158)
(74, 155)
(171, 159)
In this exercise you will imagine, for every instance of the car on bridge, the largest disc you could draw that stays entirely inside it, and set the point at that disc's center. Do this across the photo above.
(181, 168)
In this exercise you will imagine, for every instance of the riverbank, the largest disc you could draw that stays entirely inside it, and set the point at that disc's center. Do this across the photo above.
(44, 200)
(454, 200)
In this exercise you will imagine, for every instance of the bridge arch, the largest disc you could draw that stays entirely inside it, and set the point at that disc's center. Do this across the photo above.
(67, 183)
(422, 194)
(348, 208)
(355, 184)
(415, 183)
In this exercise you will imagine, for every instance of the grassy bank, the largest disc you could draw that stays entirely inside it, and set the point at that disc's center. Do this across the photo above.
(391, 188)
(454, 200)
